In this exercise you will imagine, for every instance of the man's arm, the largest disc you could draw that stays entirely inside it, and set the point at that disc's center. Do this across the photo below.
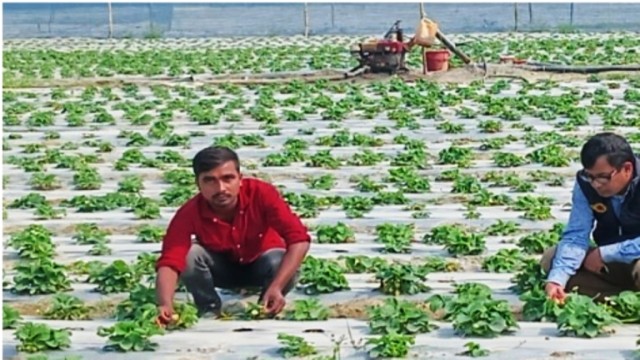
(574, 244)
(172, 261)
(288, 225)
(624, 252)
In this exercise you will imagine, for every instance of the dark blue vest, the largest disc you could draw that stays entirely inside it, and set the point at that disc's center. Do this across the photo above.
(611, 229)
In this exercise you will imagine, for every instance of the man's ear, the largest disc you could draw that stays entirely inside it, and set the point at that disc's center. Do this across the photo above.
(240, 177)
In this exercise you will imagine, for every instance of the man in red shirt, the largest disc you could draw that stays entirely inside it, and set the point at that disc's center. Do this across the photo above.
(236, 232)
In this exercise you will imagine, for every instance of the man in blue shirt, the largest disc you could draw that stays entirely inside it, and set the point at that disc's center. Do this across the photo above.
(607, 192)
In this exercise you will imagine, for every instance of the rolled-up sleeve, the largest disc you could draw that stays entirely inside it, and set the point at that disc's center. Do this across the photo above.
(177, 241)
(574, 243)
(280, 217)
(625, 252)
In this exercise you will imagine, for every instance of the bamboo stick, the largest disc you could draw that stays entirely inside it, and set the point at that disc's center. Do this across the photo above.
(306, 19)
(110, 20)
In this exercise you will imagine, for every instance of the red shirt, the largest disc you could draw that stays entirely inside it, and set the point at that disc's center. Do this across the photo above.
(263, 221)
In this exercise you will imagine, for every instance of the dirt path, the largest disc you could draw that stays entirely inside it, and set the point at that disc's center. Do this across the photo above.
(456, 75)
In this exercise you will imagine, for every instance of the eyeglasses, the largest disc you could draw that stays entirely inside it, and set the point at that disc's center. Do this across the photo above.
(600, 179)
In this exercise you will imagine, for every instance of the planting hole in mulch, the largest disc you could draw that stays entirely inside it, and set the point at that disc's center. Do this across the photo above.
(242, 330)
(313, 331)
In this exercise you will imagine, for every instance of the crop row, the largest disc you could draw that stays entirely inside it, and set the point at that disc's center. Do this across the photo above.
(48, 63)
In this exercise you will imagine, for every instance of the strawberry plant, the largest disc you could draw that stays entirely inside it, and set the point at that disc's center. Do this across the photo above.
(396, 279)
(334, 234)
(438, 264)
(456, 155)
(396, 238)
(356, 206)
(307, 310)
(185, 316)
(537, 242)
(442, 234)
(466, 184)
(130, 335)
(502, 228)
(398, 316)
(538, 306)
(390, 346)
(474, 350)
(254, 311)
(625, 306)
(33, 243)
(44, 182)
(530, 276)
(582, 317)
(67, 307)
(504, 261)
(484, 317)
(465, 243)
(141, 305)
(116, 278)
(507, 160)
(295, 346)
(41, 276)
(145, 208)
(150, 234)
(46, 212)
(10, 317)
(40, 337)
(87, 178)
(322, 182)
(89, 234)
(322, 276)
(359, 264)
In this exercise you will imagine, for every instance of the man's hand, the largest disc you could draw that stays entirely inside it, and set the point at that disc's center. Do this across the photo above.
(593, 261)
(273, 300)
(555, 292)
(165, 314)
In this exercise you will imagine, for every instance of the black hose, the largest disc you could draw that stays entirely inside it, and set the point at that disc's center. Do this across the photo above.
(588, 69)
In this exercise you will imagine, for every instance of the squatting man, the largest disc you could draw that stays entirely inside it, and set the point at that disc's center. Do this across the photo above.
(607, 192)
(235, 233)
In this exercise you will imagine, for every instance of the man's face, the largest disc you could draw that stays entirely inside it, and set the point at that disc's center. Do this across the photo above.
(606, 179)
(221, 185)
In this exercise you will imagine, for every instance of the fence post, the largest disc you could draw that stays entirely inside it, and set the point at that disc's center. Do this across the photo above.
(530, 13)
(333, 15)
(515, 16)
(306, 19)
(571, 14)
(110, 20)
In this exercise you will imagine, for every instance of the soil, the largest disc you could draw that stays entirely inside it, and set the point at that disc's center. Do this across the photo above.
(460, 75)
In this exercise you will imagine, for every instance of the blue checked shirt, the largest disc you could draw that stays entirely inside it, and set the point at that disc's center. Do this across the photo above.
(573, 246)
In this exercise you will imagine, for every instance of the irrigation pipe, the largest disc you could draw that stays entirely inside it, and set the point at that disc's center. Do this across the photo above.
(588, 69)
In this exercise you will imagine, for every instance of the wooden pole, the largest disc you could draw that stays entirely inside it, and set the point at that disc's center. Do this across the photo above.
(423, 15)
(515, 15)
(306, 19)
(333, 15)
(530, 13)
(110, 20)
(150, 19)
(50, 18)
(571, 14)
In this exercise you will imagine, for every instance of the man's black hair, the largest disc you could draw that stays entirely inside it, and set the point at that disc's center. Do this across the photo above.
(211, 157)
(613, 146)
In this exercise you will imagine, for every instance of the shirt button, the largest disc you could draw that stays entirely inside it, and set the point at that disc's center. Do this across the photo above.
(241, 259)
(259, 235)
(233, 228)
(238, 246)
(241, 212)
(215, 220)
